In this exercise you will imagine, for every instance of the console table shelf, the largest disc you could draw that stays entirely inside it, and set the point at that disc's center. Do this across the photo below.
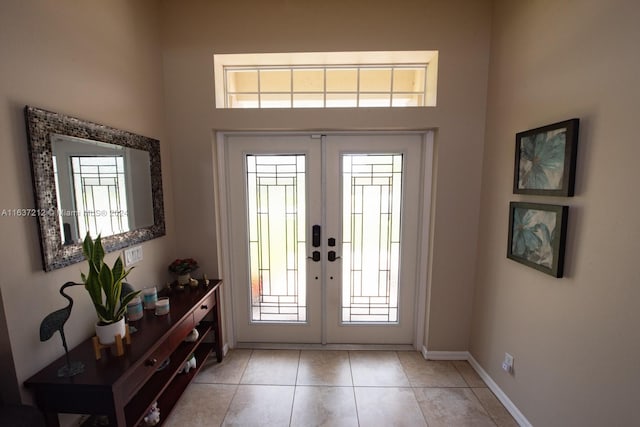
(170, 397)
(124, 388)
(162, 382)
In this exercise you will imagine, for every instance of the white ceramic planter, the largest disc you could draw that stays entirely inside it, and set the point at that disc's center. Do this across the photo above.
(107, 333)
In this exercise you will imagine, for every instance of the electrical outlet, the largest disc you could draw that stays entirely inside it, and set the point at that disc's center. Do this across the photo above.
(507, 364)
(132, 255)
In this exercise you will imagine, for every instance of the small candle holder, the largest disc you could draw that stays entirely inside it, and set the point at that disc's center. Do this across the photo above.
(162, 306)
(134, 309)
(150, 296)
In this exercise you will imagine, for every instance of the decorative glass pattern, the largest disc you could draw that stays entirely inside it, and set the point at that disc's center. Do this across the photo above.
(372, 204)
(100, 195)
(276, 222)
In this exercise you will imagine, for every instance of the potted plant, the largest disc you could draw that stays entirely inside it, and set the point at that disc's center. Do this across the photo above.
(104, 285)
(183, 268)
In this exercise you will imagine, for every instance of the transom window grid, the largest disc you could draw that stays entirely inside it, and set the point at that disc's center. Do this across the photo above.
(372, 203)
(276, 221)
(326, 86)
(100, 194)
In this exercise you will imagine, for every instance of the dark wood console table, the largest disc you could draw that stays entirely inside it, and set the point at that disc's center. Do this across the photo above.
(124, 388)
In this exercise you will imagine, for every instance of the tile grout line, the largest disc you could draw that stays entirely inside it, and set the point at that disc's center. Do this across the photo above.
(474, 395)
(460, 372)
(413, 390)
(404, 371)
(295, 388)
(353, 389)
(244, 371)
(424, 416)
(484, 407)
(226, 413)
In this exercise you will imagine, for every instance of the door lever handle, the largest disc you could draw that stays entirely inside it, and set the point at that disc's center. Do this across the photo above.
(331, 255)
(315, 256)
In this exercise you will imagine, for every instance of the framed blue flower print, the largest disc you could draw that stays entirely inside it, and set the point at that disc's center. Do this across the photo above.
(537, 236)
(545, 161)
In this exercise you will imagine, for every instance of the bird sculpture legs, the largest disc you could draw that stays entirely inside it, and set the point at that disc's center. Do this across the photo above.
(71, 368)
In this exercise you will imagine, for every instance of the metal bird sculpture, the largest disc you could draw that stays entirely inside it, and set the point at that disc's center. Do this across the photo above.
(55, 322)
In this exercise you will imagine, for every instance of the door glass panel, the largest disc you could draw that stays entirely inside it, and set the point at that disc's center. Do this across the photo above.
(276, 223)
(372, 202)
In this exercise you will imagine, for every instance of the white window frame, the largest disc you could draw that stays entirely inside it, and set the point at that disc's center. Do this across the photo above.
(326, 59)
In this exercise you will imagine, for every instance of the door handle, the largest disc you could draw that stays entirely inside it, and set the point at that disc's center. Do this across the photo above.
(315, 256)
(315, 236)
(331, 255)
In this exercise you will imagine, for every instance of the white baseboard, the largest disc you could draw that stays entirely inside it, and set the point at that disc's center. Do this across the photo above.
(502, 397)
(342, 347)
(491, 384)
(444, 355)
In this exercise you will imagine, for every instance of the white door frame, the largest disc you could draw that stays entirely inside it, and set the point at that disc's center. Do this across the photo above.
(221, 203)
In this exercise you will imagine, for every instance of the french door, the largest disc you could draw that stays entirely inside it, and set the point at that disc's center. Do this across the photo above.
(324, 237)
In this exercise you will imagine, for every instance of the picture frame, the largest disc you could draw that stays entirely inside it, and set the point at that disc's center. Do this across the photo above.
(537, 236)
(545, 159)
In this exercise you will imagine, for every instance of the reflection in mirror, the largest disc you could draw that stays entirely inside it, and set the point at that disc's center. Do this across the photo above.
(101, 188)
(92, 178)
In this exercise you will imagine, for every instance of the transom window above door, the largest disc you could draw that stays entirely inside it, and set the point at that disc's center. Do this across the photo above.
(326, 80)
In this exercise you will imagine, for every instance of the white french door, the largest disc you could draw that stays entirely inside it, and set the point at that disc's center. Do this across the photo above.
(324, 236)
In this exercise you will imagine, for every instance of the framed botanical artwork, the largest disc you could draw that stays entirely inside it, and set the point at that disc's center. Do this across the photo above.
(546, 159)
(537, 235)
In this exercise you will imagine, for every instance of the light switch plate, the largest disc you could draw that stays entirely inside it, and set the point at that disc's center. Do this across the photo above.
(132, 255)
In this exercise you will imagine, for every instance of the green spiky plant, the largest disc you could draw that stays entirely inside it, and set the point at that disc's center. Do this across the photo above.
(104, 284)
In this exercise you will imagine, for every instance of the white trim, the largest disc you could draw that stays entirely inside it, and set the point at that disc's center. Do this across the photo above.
(502, 397)
(491, 384)
(310, 346)
(323, 240)
(422, 274)
(222, 219)
(429, 57)
(444, 355)
(222, 231)
(325, 58)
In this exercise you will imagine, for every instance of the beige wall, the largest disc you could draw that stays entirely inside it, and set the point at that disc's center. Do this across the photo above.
(575, 340)
(459, 30)
(98, 60)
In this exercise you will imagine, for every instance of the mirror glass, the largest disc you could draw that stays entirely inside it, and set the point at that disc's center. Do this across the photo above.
(92, 178)
(100, 188)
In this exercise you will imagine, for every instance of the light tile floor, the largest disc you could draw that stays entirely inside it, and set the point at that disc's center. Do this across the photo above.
(337, 388)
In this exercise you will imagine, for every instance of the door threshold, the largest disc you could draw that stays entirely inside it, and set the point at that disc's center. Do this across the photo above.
(308, 346)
